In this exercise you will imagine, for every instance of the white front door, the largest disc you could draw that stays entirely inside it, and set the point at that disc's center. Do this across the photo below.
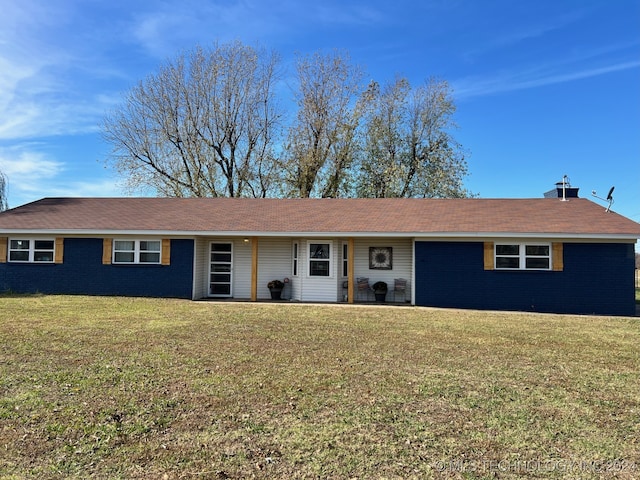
(220, 269)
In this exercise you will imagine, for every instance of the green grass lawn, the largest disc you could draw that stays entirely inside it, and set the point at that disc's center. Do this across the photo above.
(142, 388)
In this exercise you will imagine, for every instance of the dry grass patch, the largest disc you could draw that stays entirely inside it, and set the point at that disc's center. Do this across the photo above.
(142, 388)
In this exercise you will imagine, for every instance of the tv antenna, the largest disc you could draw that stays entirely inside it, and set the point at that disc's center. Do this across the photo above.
(609, 198)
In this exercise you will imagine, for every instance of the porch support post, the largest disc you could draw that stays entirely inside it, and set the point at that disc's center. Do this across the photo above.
(350, 270)
(254, 269)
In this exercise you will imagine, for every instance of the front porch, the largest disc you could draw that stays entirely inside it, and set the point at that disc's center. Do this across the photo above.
(324, 270)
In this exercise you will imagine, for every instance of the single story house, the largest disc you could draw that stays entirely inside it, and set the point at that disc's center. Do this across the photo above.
(546, 255)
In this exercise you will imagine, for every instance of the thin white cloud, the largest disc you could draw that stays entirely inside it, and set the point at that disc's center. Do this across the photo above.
(510, 35)
(37, 117)
(45, 71)
(163, 29)
(27, 171)
(344, 14)
(32, 174)
(566, 62)
(476, 86)
(26, 165)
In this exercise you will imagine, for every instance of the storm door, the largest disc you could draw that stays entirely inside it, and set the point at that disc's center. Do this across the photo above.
(220, 269)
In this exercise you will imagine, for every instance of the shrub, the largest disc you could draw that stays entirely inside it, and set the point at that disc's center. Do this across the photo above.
(275, 284)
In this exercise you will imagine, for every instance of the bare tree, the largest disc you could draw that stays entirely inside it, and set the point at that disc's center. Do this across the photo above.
(321, 146)
(204, 125)
(208, 124)
(408, 150)
(3, 193)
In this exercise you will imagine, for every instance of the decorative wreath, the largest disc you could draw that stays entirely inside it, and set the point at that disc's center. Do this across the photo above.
(380, 258)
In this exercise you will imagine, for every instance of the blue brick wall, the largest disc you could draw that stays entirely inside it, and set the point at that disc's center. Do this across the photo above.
(82, 272)
(597, 278)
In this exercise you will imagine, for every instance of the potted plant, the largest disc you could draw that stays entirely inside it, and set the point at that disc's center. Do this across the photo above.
(275, 287)
(380, 291)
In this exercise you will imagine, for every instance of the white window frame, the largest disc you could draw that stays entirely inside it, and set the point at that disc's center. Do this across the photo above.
(328, 260)
(522, 255)
(295, 257)
(137, 251)
(345, 260)
(31, 249)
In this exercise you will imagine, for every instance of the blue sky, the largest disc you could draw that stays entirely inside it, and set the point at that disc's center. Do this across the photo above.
(543, 88)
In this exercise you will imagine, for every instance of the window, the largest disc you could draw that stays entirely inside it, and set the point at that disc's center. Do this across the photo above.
(345, 260)
(319, 259)
(294, 254)
(136, 251)
(36, 251)
(520, 256)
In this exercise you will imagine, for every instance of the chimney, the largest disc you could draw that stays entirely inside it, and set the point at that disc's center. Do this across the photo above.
(563, 190)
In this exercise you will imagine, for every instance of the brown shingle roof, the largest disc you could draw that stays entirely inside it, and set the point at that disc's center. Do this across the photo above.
(408, 216)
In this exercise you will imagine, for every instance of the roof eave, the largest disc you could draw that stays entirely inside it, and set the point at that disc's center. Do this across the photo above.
(631, 237)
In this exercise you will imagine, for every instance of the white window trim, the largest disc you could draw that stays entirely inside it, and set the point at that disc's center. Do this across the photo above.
(522, 256)
(328, 260)
(295, 259)
(344, 264)
(136, 251)
(32, 249)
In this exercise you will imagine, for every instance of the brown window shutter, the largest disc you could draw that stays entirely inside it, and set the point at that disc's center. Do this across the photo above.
(166, 251)
(557, 256)
(59, 250)
(488, 256)
(107, 245)
(3, 249)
